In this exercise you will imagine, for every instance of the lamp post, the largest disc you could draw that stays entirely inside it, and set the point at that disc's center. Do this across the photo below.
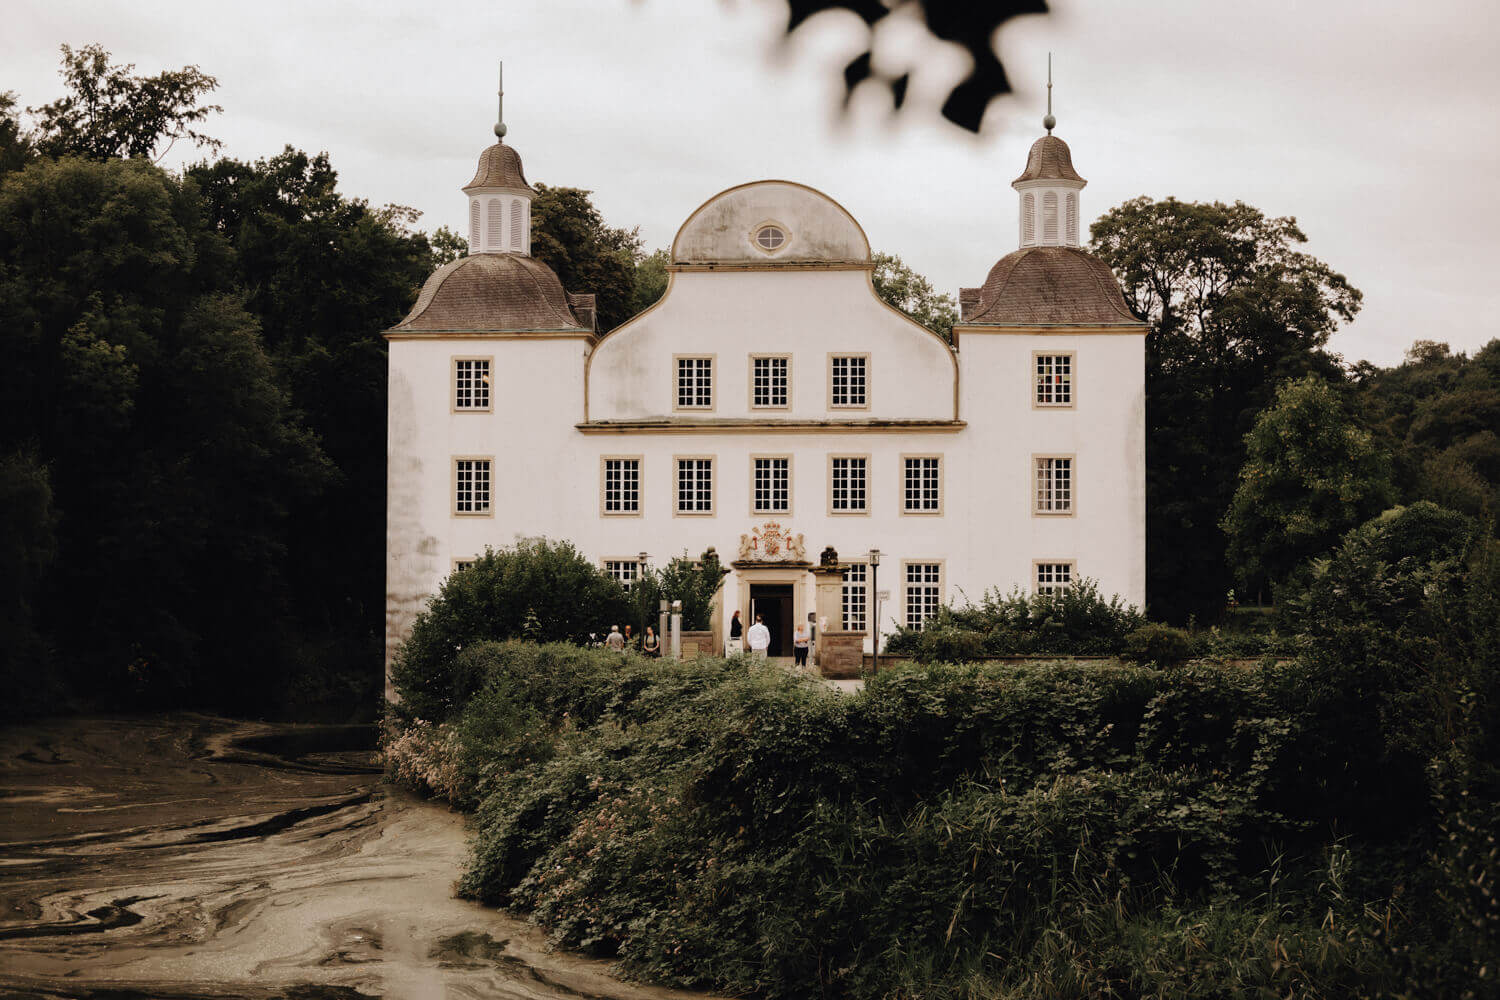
(874, 596)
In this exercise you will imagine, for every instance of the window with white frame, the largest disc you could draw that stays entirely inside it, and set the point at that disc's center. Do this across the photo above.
(768, 382)
(471, 384)
(471, 480)
(623, 571)
(847, 485)
(854, 597)
(695, 383)
(695, 486)
(924, 582)
(849, 374)
(1054, 380)
(1054, 485)
(459, 565)
(922, 484)
(772, 485)
(622, 486)
(1053, 577)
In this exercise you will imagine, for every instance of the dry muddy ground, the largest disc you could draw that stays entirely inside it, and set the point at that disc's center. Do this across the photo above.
(188, 857)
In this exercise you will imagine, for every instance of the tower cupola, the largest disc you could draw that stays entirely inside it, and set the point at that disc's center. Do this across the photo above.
(499, 197)
(1049, 188)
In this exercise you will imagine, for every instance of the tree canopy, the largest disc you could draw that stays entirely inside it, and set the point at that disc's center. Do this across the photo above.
(570, 236)
(914, 295)
(1310, 475)
(1235, 309)
(110, 112)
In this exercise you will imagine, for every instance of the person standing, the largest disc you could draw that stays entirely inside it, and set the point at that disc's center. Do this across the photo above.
(736, 630)
(650, 644)
(800, 642)
(615, 640)
(759, 638)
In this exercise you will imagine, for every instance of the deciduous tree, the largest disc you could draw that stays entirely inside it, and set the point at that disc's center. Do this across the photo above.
(569, 235)
(914, 295)
(1235, 309)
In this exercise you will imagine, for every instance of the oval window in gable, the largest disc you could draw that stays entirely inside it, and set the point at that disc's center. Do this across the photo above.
(770, 237)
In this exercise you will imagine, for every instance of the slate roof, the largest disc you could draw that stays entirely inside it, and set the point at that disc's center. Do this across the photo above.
(493, 293)
(1049, 159)
(1050, 286)
(499, 166)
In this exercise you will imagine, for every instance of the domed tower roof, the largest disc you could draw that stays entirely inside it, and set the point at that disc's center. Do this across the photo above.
(1050, 286)
(1049, 160)
(495, 293)
(499, 167)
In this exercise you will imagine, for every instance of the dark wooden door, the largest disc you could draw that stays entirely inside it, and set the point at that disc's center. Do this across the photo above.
(773, 601)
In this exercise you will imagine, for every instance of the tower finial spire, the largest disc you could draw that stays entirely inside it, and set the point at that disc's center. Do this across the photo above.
(500, 105)
(1049, 123)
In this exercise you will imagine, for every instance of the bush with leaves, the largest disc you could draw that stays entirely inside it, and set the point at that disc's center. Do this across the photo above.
(1073, 621)
(536, 589)
(1162, 645)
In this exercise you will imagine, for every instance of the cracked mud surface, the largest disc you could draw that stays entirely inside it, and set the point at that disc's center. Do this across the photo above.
(187, 858)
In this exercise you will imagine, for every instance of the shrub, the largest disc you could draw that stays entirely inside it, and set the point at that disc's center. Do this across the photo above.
(542, 590)
(1162, 645)
(1074, 621)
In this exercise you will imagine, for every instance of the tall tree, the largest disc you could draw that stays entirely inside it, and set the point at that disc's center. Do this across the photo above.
(110, 112)
(1310, 475)
(650, 280)
(914, 295)
(569, 235)
(1235, 309)
(323, 275)
(137, 376)
(15, 142)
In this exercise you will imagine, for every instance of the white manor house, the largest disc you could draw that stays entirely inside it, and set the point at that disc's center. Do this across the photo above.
(771, 405)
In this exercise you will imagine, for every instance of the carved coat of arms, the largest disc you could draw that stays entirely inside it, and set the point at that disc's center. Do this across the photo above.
(771, 543)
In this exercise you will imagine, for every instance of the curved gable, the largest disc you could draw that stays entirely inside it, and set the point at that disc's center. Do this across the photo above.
(818, 229)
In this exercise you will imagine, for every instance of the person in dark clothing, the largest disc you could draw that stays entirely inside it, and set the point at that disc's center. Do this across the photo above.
(736, 632)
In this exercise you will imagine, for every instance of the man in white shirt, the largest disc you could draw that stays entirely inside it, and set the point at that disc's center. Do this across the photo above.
(759, 638)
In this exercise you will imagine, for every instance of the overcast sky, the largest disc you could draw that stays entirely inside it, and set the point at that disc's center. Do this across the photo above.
(1373, 122)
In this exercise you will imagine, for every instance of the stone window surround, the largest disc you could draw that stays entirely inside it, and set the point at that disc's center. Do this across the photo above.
(942, 583)
(849, 354)
(862, 511)
(713, 485)
(790, 484)
(489, 396)
(713, 377)
(1036, 511)
(942, 474)
(640, 485)
(750, 382)
(489, 508)
(1072, 357)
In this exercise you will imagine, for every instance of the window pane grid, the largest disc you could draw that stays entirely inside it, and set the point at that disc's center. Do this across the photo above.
(471, 385)
(849, 489)
(1054, 485)
(849, 381)
(854, 597)
(921, 490)
(623, 571)
(695, 383)
(1053, 578)
(1054, 379)
(769, 380)
(695, 490)
(622, 485)
(923, 583)
(772, 485)
(472, 481)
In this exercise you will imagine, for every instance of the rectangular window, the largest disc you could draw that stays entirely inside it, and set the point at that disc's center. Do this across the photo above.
(1054, 379)
(924, 583)
(1053, 577)
(471, 384)
(1054, 485)
(459, 565)
(695, 383)
(921, 484)
(855, 597)
(848, 492)
(849, 380)
(622, 485)
(768, 382)
(623, 571)
(772, 480)
(471, 482)
(695, 486)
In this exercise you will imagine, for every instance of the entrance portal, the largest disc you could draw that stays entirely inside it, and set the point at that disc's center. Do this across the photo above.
(773, 602)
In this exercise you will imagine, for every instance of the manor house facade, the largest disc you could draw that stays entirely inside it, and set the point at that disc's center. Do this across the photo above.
(771, 405)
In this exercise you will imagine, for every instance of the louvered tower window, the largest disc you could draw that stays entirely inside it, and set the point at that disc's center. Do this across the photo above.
(1028, 220)
(515, 224)
(493, 224)
(1049, 218)
(474, 225)
(1071, 219)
